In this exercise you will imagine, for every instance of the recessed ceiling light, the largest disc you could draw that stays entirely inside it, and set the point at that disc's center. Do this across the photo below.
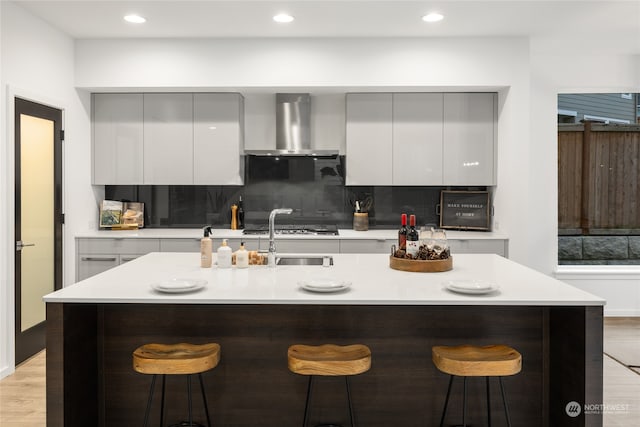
(433, 17)
(135, 19)
(283, 18)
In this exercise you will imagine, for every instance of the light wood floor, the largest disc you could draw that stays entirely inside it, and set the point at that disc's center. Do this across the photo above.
(22, 395)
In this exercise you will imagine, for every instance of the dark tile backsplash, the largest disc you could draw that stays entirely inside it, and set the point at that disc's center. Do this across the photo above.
(315, 189)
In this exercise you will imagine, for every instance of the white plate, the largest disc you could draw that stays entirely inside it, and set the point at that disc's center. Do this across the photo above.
(179, 285)
(475, 287)
(324, 285)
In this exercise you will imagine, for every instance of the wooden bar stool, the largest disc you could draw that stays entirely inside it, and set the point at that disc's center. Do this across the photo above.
(176, 359)
(475, 361)
(329, 360)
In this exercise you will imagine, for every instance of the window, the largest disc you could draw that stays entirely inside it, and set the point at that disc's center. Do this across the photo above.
(598, 214)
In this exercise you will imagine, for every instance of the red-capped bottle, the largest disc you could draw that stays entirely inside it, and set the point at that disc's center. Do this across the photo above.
(402, 233)
(413, 243)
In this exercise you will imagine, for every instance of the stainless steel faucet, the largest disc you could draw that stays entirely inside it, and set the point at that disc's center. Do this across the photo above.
(271, 256)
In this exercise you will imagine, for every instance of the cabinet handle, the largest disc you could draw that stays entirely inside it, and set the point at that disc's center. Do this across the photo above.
(88, 258)
(128, 259)
(381, 240)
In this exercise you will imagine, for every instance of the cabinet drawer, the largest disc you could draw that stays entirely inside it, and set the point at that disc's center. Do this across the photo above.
(488, 246)
(90, 265)
(303, 246)
(367, 246)
(179, 245)
(117, 246)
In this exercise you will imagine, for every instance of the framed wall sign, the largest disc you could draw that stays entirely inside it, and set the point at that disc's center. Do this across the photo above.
(465, 210)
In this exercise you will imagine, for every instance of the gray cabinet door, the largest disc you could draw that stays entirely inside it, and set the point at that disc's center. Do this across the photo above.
(168, 138)
(369, 139)
(117, 139)
(470, 138)
(218, 141)
(417, 138)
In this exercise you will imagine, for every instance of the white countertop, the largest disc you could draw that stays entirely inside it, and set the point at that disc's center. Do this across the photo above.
(196, 233)
(372, 283)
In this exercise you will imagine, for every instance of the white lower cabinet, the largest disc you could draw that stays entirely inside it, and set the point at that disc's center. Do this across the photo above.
(367, 246)
(193, 245)
(95, 255)
(480, 246)
(303, 246)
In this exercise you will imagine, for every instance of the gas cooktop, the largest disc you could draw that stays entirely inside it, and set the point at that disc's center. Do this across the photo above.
(312, 230)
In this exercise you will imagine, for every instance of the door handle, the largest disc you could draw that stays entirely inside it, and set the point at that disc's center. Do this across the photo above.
(20, 244)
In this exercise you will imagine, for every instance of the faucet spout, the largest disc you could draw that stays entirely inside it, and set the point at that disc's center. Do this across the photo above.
(271, 255)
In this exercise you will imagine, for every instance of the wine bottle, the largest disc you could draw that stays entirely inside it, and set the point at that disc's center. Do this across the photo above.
(402, 233)
(240, 214)
(413, 243)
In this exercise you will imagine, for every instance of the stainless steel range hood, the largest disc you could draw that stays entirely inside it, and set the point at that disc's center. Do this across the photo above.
(293, 128)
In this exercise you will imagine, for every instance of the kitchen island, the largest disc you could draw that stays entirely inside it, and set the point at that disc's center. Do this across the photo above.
(256, 313)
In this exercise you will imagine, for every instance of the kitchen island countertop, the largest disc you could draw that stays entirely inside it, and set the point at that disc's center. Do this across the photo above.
(372, 283)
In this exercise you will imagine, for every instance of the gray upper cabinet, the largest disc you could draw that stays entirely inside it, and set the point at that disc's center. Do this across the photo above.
(168, 138)
(417, 138)
(117, 138)
(470, 138)
(421, 138)
(369, 133)
(218, 141)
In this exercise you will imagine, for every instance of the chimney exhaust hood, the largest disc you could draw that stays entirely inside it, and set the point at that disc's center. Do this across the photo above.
(293, 128)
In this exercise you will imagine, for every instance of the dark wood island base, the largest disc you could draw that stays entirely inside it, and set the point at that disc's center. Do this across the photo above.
(90, 380)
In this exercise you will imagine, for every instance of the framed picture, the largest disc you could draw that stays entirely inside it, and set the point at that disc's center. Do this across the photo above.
(114, 214)
(110, 213)
(465, 210)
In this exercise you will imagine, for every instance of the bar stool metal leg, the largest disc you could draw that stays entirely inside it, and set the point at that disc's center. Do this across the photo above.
(464, 402)
(190, 402)
(488, 402)
(204, 399)
(446, 401)
(504, 401)
(146, 413)
(346, 380)
(164, 380)
(306, 405)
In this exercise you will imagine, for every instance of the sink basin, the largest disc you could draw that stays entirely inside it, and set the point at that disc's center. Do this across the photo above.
(322, 260)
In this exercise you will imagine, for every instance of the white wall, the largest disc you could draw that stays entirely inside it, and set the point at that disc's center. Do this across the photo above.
(37, 63)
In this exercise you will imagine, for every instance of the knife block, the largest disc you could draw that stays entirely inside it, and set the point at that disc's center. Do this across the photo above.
(360, 221)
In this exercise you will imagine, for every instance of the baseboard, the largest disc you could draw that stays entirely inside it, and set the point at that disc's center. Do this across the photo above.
(5, 372)
(621, 313)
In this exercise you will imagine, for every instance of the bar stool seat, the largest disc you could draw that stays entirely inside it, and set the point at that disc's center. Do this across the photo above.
(176, 359)
(477, 361)
(329, 360)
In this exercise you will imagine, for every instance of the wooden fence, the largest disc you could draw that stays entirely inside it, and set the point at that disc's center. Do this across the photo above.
(598, 177)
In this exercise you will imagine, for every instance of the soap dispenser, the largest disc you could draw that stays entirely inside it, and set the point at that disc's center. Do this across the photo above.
(224, 255)
(206, 245)
(242, 257)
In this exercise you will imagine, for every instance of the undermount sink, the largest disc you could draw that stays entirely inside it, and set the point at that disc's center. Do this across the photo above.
(322, 260)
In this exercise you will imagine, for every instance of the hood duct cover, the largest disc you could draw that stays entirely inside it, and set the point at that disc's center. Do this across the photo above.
(293, 128)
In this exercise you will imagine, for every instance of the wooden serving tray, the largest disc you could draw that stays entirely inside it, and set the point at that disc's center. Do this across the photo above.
(421, 266)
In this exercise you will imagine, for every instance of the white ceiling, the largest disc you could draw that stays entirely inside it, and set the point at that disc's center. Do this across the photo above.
(565, 24)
